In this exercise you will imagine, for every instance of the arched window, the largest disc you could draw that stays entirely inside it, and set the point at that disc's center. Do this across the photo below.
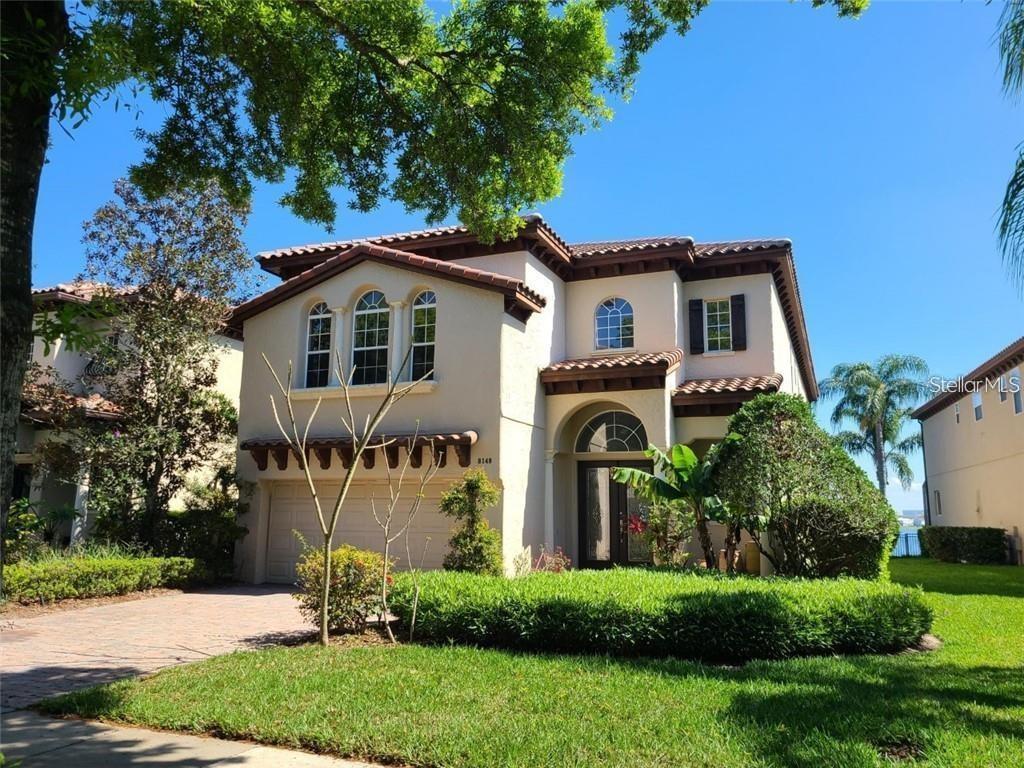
(318, 346)
(613, 324)
(370, 339)
(424, 328)
(612, 431)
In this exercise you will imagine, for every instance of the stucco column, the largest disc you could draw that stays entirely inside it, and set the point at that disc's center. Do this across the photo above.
(340, 355)
(260, 531)
(549, 501)
(80, 525)
(397, 338)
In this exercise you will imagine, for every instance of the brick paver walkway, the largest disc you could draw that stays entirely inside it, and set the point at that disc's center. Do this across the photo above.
(58, 652)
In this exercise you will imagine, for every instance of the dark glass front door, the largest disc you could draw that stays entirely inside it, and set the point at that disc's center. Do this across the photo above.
(612, 517)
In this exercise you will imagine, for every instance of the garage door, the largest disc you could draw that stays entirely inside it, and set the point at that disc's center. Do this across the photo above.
(291, 512)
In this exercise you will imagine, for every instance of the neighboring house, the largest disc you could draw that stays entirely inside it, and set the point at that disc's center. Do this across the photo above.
(550, 364)
(974, 448)
(78, 368)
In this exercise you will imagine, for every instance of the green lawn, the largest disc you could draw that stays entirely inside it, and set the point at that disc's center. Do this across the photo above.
(960, 706)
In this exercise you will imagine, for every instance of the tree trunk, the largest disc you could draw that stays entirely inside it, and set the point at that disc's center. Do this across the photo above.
(732, 533)
(704, 537)
(325, 592)
(880, 457)
(30, 53)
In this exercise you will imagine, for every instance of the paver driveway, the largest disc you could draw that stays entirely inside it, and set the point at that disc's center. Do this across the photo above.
(58, 652)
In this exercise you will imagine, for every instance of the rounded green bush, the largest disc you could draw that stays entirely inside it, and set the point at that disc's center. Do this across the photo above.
(638, 612)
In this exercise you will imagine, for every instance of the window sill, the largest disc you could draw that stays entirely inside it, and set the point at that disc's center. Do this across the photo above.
(360, 390)
(721, 353)
(613, 351)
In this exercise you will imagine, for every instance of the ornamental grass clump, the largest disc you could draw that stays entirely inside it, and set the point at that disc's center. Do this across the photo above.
(639, 612)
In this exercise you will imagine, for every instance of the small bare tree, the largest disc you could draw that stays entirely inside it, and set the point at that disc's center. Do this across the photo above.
(361, 440)
(394, 530)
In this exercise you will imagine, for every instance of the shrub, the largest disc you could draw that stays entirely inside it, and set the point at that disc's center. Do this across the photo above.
(355, 586)
(83, 575)
(964, 544)
(641, 612)
(23, 533)
(475, 546)
(809, 505)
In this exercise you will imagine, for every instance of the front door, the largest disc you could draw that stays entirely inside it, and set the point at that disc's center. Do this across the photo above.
(612, 517)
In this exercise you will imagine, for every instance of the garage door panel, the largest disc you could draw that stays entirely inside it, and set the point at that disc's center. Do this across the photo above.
(292, 510)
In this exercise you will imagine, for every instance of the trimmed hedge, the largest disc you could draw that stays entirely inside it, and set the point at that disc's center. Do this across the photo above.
(636, 612)
(964, 544)
(76, 577)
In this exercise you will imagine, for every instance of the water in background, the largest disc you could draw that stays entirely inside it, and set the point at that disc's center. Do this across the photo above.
(907, 543)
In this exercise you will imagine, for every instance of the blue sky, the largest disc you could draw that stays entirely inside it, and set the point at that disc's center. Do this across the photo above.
(880, 146)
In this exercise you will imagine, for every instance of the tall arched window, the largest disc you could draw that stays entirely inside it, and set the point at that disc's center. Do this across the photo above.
(318, 346)
(612, 431)
(424, 327)
(613, 324)
(370, 339)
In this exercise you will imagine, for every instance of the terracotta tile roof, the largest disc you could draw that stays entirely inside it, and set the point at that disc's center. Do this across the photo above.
(608, 247)
(1002, 361)
(417, 237)
(730, 247)
(97, 406)
(93, 406)
(744, 384)
(520, 299)
(669, 359)
(78, 291)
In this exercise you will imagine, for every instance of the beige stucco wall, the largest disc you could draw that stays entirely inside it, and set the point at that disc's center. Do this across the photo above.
(656, 313)
(759, 356)
(229, 367)
(977, 466)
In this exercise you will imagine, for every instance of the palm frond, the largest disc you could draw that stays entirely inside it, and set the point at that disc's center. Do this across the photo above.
(1011, 47)
(1011, 223)
(649, 486)
(901, 468)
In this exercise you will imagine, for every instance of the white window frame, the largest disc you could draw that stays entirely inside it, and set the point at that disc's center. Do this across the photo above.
(327, 315)
(1018, 395)
(622, 310)
(356, 314)
(977, 406)
(728, 324)
(1002, 388)
(432, 304)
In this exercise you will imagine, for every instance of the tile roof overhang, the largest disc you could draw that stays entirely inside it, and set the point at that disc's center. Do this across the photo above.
(76, 292)
(610, 373)
(1003, 361)
(722, 396)
(520, 301)
(323, 448)
(93, 407)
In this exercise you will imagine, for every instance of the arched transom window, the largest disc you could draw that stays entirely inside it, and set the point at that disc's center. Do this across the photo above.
(424, 329)
(613, 324)
(318, 346)
(612, 431)
(370, 339)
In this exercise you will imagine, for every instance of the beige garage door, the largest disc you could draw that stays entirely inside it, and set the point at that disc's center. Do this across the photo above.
(292, 510)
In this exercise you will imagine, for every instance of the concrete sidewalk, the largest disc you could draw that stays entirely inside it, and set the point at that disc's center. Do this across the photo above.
(43, 742)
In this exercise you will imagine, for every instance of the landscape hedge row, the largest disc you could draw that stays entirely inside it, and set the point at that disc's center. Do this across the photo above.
(76, 577)
(634, 612)
(963, 544)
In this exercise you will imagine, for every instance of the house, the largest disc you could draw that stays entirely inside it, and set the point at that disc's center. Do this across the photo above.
(548, 364)
(80, 370)
(973, 432)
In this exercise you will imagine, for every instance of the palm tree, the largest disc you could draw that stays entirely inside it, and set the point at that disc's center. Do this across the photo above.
(683, 478)
(1011, 215)
(878, 399)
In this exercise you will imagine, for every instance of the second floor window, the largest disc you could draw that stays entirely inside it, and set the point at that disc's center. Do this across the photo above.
(718, 325)
(976, 403)
(424, 329)
(1018, 396)
(370, 339)
(318, 346)
(613, 323)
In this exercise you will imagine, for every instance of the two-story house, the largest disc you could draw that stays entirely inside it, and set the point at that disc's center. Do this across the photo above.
(973, 432)
(549, 363)
(79, 370)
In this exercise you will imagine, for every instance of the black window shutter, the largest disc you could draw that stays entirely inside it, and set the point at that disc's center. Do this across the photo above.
(696, 326)
(738, 307)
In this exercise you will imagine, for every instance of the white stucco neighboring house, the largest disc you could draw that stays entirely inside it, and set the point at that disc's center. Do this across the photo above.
(76, 368)
(973, 434)
(551, 362)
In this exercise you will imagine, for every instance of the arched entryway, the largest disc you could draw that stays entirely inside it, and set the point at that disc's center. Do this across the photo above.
(602, 521)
